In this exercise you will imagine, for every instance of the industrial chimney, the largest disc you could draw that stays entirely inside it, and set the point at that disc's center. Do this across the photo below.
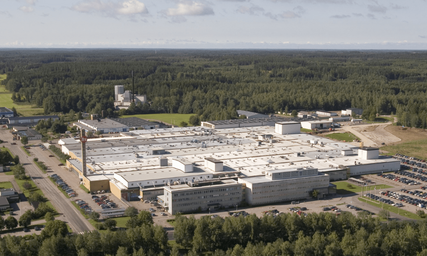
(83, 140)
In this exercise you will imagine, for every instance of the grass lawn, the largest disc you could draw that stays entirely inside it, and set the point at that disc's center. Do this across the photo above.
(416, 148)
(390, 208)
(34, 189)
(306, 130)
(84, 188)
(23, 108)
(26, 151)
(346, 136)
(121, 221)
(344, 188)
(5, 185)
(173, 119)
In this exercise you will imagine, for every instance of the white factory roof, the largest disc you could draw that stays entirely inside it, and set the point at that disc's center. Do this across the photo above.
(158, 173)
(237, 148)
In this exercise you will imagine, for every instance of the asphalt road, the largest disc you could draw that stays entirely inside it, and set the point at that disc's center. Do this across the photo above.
(62, 204)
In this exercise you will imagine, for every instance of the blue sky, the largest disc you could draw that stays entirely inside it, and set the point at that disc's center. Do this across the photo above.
(259, 24)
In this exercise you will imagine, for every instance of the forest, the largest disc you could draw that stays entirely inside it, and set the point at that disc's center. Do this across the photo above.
(285, 234)
(212, 84)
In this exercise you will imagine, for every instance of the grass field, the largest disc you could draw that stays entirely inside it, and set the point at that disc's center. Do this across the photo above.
(24, 109)
(306, 130)
(344, 188)
(390, 208)
(121, 221)
(173, 119)
(5, 185)
(346, 136)
(34, 189)
(417, 148)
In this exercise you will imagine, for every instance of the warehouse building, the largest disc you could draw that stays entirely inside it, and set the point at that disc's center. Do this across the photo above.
(6, 112)
(326, 113)
(30, 120)
(202, 196)
(101, 125)
(146, 164)
(137, 123)
(249, 114)
(352, 111)
(285, 185)
(320, 124)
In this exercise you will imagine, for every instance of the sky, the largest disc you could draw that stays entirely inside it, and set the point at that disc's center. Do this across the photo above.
(219, 24)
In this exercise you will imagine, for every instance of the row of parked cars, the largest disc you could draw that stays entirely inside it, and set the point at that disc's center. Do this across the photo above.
(378, 198)
(414, 201)
(409, 160)
(104, 202)
(83, 205)
(60, 183)
(398, 179)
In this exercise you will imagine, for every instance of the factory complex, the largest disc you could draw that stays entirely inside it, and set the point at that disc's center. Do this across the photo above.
(220, 164)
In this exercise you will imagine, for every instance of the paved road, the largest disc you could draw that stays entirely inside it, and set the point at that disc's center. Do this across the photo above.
(62, 204)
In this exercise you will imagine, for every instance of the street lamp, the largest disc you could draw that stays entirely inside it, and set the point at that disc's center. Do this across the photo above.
(236, 207)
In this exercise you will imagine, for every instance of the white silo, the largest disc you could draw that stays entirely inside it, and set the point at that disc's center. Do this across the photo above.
(118, 89)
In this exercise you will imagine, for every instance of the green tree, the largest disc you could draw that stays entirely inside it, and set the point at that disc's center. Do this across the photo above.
(25, 219)
(27, 185)
(16, 159)
(315, 194)
(294, 113)
(183, 124)
(131, 211)
(384, 214)
(94, 216)
(36, 197)
(15, 113)
(2, 223)
(11, 223)
(110, 223)
(55, 228)
(19, 172)
(49, 216)
(24, 140)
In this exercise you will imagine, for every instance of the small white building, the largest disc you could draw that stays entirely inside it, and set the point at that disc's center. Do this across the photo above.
(351, 111)
(288, 128)
(326, 113)
(214, 164)
(339, 119)
(311, 125)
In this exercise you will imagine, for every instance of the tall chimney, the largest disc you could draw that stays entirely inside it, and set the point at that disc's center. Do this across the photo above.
(83, 140)
(133, 88)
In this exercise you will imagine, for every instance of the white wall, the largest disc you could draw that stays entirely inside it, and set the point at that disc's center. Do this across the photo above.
(374, 168)
(288, 128)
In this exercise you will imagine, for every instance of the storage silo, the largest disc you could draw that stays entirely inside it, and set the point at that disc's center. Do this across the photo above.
(118, 89)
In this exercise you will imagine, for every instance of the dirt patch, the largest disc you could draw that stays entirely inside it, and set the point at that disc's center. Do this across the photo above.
(367, 128)
(406, 134)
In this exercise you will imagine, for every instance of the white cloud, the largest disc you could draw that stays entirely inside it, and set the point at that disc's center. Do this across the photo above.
(253, 10)
(190, 9)
(26, 9)
(129, 7)
(31, 2)
(340, 16)
(132, 7)
(289, 15)
(377, 8)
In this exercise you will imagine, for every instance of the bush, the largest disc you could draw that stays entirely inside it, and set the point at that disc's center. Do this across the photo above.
(421, 213)
(59, 153)
(36, 159)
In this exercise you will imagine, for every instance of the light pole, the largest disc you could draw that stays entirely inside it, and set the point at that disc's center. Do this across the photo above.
(236, 207)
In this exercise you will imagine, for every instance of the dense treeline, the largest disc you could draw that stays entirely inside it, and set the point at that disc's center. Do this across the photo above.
(286, 234)
(213, 84)
(290, 234)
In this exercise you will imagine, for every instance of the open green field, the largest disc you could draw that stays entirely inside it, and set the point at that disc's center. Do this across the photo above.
(5, 185)
(173, 119)
(390, 208)
(416, 148)
(121, 221)
(346, 136)
(23, 108)
(344, 188)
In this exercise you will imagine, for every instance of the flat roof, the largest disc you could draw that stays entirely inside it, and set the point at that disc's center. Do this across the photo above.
(158, 173)
(5, 110)
(173, 188)
(213, 160)
(135, 122)
(102, 123)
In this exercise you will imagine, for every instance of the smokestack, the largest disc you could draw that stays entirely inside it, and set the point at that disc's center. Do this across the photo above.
(133, 88)
(83, 140)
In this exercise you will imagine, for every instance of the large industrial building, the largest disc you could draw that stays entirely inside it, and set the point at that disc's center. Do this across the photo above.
(220, 164)
(123, 99)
